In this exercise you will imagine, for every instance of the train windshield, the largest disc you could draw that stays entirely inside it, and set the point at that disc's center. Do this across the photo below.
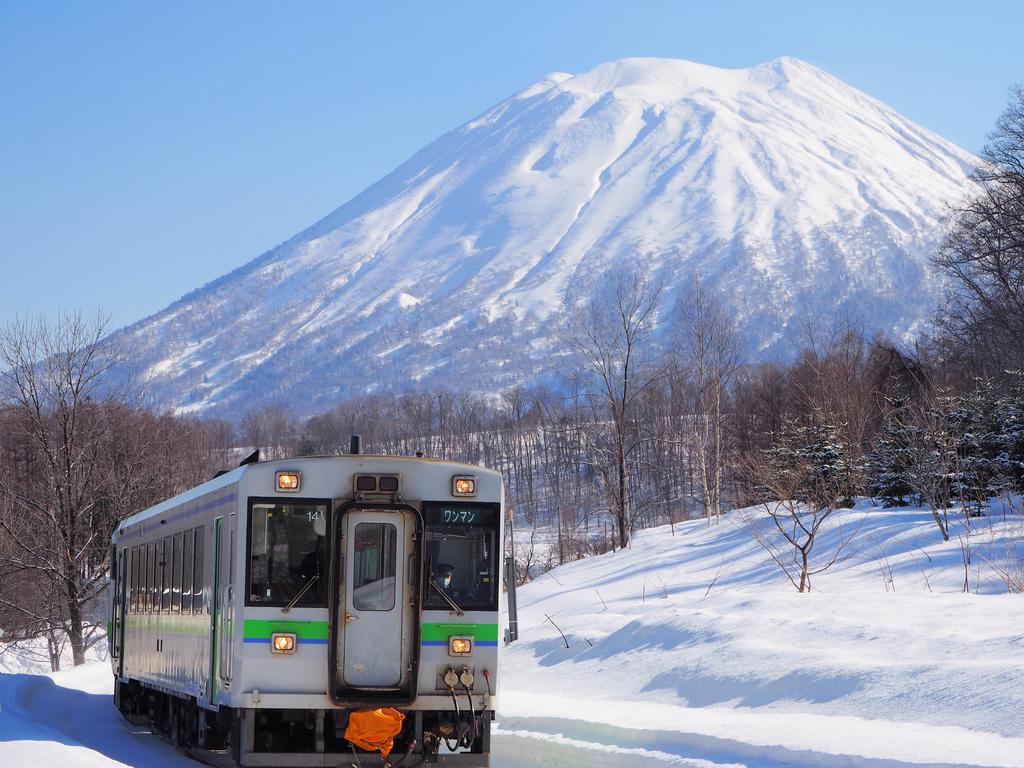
(286, 554)
(462, 557)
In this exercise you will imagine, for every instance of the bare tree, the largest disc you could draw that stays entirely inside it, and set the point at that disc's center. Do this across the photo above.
(707, 343)
(836, 375)
(934, 461)
(52, 375)
(611, 334)
(28, 610)
(983, 255)
(254, 429)
(801, 479)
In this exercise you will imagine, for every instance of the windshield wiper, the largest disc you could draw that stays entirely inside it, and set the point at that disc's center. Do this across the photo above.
(452, 603)
(301, 592)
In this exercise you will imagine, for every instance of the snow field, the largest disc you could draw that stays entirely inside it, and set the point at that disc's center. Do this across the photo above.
(887, 661)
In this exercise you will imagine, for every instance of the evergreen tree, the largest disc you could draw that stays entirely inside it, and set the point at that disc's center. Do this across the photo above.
(892, 456)
(972, 432)
(817, 459)
(1008, 442)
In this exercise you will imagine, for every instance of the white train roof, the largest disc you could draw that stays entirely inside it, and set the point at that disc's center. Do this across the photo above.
(235, 475)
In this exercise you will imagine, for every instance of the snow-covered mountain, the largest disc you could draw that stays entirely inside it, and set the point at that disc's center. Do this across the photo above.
(791, 191)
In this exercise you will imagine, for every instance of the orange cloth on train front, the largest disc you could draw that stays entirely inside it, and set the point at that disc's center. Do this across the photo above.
(374, 728)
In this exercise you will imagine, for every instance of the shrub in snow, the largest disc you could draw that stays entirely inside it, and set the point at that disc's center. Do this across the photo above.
(803, 479)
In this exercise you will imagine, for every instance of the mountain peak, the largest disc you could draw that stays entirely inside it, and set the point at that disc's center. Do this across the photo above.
(662, 80)
(787, 69)
(788, 192)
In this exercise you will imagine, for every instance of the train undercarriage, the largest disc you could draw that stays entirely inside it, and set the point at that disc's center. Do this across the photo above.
(292, 738)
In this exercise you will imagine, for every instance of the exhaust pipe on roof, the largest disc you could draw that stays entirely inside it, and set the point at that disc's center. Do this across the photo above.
(355, 446)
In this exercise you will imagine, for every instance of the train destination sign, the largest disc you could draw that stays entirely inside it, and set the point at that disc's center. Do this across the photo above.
(459, 514)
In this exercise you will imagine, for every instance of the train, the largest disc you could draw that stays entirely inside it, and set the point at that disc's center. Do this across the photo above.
(327, 611)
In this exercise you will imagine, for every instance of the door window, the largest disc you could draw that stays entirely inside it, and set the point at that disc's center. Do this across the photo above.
(373, 567)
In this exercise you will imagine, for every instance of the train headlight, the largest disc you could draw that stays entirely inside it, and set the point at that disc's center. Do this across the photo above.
(463, 485)
(288, 481)
(282, 642)
(460, 646)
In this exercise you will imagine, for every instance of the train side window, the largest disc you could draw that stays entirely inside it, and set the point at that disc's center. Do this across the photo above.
(155, 583)
(151, 577)
(129, 578)
(287, 545)
(198, 580)
(132, 580)
(125, 576)
(136, 592)
(124, 581)
(163, 574)
(186, 573)
(176, 573)
(143, 576)
(165, 586)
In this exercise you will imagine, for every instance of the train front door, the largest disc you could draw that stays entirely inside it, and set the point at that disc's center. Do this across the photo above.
(375, 598)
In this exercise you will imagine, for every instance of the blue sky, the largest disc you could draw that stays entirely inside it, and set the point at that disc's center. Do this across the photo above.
(147, 148)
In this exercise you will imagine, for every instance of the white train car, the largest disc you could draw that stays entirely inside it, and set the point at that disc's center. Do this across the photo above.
(276, 610)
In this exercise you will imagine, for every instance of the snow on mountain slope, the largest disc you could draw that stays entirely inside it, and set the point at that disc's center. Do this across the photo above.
(791, 191)
(694, 644)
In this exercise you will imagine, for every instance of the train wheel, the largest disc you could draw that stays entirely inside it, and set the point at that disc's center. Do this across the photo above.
(189, 723)
(235, 739)
(174, 722)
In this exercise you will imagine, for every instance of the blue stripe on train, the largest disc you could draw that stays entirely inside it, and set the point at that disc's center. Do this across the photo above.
(324, 642)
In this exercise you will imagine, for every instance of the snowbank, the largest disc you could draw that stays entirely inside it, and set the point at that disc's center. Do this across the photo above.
(68, 719)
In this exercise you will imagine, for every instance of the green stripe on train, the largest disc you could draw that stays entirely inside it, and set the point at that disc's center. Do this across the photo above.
(481, 632)
(304, 630)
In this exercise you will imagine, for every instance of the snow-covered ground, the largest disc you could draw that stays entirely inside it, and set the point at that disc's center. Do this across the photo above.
(886, 662)
(68, 720)
(691, 649)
